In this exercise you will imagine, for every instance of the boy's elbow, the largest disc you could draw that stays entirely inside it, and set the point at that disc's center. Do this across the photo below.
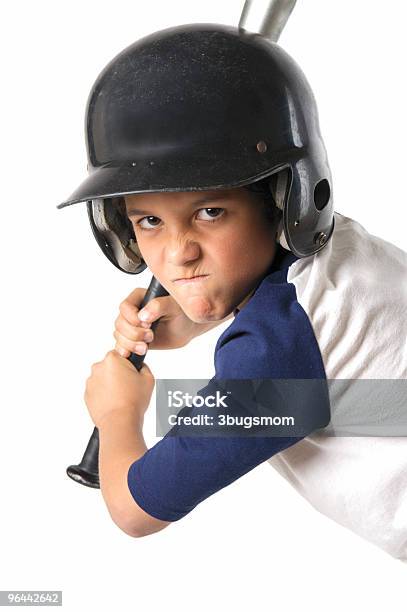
(129, 528)
(141, 526)
(132, 531)
(137, 531)
(130, 517)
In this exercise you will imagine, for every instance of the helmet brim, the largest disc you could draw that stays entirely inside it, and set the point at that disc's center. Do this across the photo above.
(161, 176)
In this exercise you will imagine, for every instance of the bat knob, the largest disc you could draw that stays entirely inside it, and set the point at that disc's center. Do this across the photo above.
(87, 472)
(83, 476)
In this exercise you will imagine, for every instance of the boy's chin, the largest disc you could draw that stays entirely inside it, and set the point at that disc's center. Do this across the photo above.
(200, 310)
(210, 318)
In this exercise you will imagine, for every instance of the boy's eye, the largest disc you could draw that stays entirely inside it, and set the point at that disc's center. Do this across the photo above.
(150, 219)
(213, 213)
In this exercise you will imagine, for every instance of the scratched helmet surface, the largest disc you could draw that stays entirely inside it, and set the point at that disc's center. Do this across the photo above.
(199, 107)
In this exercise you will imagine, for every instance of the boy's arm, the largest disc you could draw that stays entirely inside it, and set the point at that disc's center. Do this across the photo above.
(122, 443)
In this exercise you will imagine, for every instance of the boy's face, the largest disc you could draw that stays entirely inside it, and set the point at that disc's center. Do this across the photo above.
(223, 235)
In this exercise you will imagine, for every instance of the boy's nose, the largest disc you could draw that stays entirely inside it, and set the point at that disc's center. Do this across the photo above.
(182, 250)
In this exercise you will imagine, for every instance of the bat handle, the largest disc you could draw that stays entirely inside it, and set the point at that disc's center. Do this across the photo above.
(87, 471)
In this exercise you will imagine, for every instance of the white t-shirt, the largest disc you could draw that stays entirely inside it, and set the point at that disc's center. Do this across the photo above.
(354, 293)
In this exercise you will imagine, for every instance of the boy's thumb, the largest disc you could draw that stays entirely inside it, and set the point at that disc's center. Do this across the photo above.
(168, 306)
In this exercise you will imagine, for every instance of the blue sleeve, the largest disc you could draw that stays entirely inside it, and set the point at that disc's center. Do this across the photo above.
(179, 472)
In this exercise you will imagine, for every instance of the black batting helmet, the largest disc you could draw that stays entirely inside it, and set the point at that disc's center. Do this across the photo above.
(204, 107)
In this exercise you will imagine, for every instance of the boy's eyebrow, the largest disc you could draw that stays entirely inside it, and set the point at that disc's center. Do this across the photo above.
(131, 210)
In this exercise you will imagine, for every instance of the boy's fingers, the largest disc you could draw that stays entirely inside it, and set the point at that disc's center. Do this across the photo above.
(129, 312)
(129, 307)
(122, 351)
(129, 345)
(130, 332)
(164, 306)
(122, 342)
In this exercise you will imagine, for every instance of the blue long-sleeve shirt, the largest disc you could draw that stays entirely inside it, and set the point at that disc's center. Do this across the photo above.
(270, 338)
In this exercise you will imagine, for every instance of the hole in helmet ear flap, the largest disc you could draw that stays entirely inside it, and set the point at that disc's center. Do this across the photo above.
(322, 194)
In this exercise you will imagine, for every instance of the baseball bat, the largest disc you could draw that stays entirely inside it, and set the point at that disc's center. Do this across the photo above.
(266, 17)
(87, 471)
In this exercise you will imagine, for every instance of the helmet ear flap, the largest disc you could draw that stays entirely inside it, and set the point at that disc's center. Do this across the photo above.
(275, 189)
(279, 185)
(114, 234)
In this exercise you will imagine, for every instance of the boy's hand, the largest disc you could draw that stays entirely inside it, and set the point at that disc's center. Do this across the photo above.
(115, 386)
(174, 330)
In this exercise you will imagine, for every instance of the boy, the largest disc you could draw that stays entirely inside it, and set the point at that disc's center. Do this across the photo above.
(310, 307)
(187, 242)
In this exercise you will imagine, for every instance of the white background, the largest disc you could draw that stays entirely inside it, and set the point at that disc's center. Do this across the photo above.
(257, 542)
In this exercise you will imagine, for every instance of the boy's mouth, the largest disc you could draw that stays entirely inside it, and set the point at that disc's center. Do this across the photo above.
(190, 279)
